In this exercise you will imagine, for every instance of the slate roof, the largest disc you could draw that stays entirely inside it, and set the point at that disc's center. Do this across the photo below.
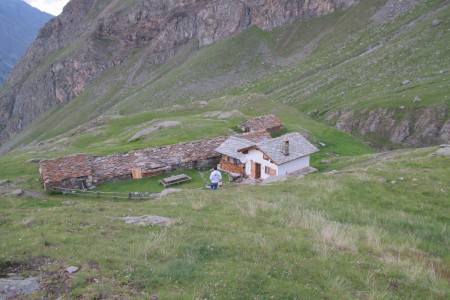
(231, 146)
(299, 147)
(266, 122)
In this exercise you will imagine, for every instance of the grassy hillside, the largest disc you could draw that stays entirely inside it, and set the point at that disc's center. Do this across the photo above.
(344, 60)
(376, 229)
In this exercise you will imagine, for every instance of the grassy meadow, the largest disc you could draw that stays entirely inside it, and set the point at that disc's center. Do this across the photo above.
(376, 229)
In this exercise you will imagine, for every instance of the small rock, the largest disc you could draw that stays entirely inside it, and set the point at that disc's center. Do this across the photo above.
(436, 22)
(416, 99)
(168, 191)
(393, 182)
(401, 178)
(72, 269)
(322, 144)
(405, 82)
(148, 220)
(382, 180)
(17, 192)
(402, 107)
(35, 160)
(414, 179)
(325, 161)
(4, 181)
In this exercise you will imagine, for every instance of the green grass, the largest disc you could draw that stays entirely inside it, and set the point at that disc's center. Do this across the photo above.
(346, 235)
(151, 184)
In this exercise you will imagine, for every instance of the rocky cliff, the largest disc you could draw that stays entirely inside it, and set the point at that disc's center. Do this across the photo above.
(89, 37)
(401, 126)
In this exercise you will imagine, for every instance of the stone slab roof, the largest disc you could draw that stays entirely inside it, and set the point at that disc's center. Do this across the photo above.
(231, 146)
(72, 166)
(299, 147)
(255, 136)
(266, 122)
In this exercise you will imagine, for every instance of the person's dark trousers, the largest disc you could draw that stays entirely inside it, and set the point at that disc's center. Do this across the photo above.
(214, 186)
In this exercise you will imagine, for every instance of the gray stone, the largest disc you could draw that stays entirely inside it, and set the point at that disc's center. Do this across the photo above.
(14, 286)
(416, 99)
(402, 107)
(35, 160)
(152, 129)
(406, 82)
(393, 182)
(72, 269)
(322, 144)
(4, 181)
(445, 151)
(148, 220)
(382, 180)
(17, 193)
(436, 22)
(325, 161)
(68, 203)
(275, 179)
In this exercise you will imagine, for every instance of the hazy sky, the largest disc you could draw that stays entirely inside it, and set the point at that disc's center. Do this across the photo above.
(53, 7)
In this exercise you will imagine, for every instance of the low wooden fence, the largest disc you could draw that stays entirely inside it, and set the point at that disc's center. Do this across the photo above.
(109, 195)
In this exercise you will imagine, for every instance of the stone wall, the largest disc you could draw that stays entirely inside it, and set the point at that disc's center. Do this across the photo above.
(81, 171)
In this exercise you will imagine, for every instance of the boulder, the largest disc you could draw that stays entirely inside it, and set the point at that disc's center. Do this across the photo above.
(436, 22)
(17, 192)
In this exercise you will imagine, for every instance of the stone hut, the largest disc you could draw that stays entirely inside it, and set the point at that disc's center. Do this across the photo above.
(269, 123)
(74, 171)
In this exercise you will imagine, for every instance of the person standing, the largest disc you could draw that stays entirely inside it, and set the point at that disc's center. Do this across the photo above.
(215, 178)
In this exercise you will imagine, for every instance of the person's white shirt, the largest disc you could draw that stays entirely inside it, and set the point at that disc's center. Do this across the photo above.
(215, 176)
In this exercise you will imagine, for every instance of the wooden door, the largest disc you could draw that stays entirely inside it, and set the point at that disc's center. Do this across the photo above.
(256, 170)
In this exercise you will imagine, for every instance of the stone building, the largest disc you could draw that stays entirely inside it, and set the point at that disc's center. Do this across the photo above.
(82, 171)
(284, 155)
(269, 123)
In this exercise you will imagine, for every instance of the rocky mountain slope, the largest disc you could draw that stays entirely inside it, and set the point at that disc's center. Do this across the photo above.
(121, 57)
(19, 26)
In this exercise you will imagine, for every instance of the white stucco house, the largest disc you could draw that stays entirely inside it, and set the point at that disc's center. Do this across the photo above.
(280, 156)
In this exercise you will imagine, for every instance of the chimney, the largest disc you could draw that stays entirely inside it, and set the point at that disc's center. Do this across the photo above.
(285, 146)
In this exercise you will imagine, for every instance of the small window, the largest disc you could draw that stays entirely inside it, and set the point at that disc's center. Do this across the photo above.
(267, 170)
